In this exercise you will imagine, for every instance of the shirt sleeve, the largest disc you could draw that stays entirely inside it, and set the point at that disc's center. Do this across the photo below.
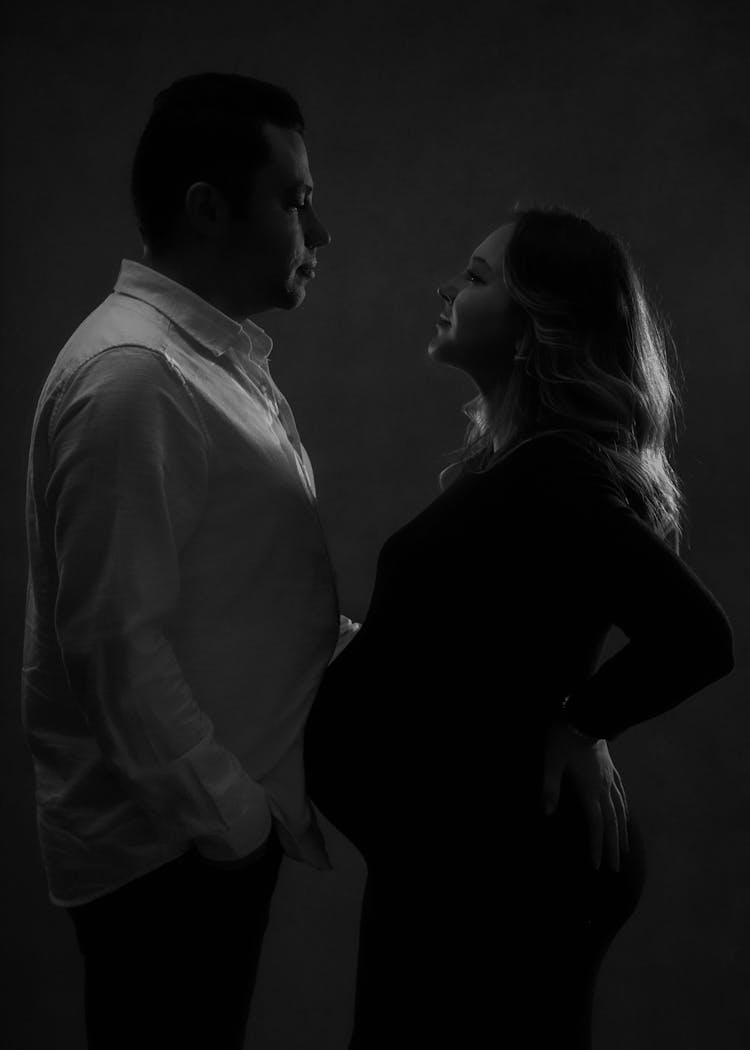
(679, 638)
(128, 479)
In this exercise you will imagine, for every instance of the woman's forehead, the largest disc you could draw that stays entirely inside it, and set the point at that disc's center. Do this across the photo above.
(492, 248)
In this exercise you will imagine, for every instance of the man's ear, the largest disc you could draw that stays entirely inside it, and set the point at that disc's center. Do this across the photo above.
(206, 210)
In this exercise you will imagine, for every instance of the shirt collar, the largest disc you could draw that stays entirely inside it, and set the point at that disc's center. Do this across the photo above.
(188, 311)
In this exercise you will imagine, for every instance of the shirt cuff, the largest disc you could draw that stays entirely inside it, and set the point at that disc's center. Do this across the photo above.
(238, 842)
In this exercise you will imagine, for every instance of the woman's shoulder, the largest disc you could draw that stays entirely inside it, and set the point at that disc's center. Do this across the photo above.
(566, 463)
(555, 453)
(554, 450)
(562, 468)
(551, 443)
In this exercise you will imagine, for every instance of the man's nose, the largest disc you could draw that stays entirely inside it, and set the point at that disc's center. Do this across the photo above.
(317, 235)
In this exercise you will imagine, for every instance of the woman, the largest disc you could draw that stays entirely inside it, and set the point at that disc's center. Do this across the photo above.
(473, 681)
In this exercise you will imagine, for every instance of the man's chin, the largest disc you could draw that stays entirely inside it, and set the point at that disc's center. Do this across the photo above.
(292, 297)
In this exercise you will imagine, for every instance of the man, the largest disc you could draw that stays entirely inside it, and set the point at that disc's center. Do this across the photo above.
(181, 602)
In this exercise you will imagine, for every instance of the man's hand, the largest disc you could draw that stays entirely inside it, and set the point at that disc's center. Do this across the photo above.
(587, 763)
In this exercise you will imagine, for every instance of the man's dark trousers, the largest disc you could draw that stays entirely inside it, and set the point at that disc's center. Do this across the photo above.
(170, 959)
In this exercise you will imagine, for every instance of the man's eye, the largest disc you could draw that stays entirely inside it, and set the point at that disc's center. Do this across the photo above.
(299, 205)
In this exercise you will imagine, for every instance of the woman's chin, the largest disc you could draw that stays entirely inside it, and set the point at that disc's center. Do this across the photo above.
(436, 349)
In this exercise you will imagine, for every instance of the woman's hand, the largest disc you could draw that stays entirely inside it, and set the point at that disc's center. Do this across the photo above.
(588, 765)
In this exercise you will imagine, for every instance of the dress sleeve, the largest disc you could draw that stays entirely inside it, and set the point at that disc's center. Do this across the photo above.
(679, 638)
(127, 483)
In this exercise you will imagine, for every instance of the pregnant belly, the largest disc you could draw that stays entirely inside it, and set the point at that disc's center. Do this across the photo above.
(422, 777)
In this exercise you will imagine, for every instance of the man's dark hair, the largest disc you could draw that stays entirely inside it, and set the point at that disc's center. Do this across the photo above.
(204, 128)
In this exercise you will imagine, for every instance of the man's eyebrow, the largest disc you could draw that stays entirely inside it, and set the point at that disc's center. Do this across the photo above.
(300, 185)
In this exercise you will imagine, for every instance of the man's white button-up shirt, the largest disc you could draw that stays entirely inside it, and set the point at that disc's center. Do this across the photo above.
(181, 603)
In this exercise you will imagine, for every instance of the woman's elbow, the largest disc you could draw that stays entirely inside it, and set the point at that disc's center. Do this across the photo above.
(721, 647)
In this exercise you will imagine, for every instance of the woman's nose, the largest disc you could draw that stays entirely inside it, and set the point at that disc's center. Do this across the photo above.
(445, 291)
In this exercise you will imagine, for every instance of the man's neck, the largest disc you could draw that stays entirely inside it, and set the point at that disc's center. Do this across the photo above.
(194, 276)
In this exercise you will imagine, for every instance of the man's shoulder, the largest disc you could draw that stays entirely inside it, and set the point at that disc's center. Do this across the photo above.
(106, 343)
(117, 322)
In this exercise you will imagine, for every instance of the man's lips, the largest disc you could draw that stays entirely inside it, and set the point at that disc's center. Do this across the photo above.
(307, 271)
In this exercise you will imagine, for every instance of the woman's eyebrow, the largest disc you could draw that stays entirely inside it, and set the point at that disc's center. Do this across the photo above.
(479, 259)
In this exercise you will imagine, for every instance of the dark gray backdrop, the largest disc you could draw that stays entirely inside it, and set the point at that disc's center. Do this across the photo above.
(427, 121)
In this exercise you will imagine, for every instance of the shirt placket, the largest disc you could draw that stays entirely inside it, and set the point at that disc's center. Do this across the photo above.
(280, 420)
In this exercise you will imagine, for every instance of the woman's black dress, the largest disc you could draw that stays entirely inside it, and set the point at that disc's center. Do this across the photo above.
(425, 743)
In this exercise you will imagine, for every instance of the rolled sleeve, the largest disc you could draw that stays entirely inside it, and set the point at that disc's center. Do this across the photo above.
(128, 479)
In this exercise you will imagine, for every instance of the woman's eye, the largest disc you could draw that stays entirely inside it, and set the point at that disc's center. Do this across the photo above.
(299, 205)
(473, 277)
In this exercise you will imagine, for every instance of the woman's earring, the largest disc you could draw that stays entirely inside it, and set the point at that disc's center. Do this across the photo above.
(520, 354)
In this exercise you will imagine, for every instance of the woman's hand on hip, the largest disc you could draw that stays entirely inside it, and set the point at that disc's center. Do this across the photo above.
(589, 767)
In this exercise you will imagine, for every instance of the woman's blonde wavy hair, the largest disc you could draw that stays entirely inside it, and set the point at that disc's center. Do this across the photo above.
(592, 356)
